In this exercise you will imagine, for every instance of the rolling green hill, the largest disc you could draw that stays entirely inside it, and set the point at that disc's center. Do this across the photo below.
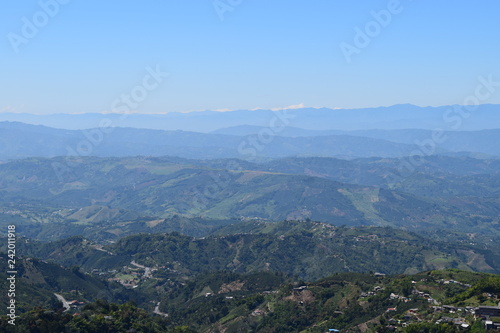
(38, 280)
(123, 196)
(309, 250)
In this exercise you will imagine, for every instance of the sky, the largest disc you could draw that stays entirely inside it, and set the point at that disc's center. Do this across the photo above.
(70, 56)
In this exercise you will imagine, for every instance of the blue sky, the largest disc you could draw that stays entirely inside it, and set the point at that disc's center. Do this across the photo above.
(262, 54)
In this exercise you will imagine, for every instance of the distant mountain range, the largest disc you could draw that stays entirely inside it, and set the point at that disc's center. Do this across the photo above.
(19, 140)
(401, 116)
(483, 141)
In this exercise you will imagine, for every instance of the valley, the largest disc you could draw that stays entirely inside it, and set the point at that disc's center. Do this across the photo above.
(361, 244)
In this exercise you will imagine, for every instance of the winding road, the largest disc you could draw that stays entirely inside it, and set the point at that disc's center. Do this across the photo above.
(158, 312)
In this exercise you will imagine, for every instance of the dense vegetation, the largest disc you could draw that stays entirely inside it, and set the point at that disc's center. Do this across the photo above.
(266, 302)
(38, 281)
(100, 316)
(309, 250)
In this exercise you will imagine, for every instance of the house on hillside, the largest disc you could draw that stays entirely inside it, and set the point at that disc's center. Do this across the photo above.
(487, 311)
(489, 325)
(300, 288)
(450, 308)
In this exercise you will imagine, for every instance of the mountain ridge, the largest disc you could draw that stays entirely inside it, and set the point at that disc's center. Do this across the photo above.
(20, 141)
(384, 117)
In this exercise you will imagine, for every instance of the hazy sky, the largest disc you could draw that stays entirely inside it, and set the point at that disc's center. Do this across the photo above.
(244, 54)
